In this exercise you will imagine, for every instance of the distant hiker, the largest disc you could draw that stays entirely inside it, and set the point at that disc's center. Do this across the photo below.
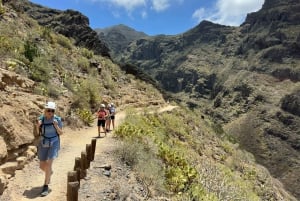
(108, 119)
(49, 126)
(112, 110)
(101, 114)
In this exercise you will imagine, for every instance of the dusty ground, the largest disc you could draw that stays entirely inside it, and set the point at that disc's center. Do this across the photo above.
(121, 185)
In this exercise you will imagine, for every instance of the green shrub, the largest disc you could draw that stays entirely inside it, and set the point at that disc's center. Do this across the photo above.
(83, 63)
(40, 89)
(53, 91)
(64, 41)
(46, 34)
(86, 116)
(87, 53)
(87, 94)
(30, 50)
(40, 70)
(2, 9)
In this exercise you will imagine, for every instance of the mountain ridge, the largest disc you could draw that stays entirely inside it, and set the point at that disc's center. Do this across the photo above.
(238, 74)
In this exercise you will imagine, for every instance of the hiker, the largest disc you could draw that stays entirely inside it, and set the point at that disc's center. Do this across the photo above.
(112, 110)
(101, 115)
(49, 127)
(107, 109)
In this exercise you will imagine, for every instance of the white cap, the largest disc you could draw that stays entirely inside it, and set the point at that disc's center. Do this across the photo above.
(102, 105)
(50, 105)
(112, 104)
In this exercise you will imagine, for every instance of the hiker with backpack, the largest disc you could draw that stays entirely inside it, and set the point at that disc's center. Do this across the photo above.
(49, 127)
(101, 115)
(112, 110)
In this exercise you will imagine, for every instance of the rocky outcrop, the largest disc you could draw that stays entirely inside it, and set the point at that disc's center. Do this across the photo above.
(291, 103)
(119, 37)
(69, 23)
(274, 30)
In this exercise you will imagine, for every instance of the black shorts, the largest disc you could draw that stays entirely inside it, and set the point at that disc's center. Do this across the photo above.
(101, 122)
(112, 117)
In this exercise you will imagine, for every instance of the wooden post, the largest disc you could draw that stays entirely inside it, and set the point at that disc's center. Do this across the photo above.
(72, 191)
(88, 154)
(72, 176)
(83, 165)
(77, 167)
(94, 141)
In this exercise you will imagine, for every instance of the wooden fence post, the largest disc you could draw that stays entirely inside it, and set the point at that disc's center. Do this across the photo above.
(83, 165)
(77, 167)
(72, 191)
(72, 177)
(94, 141)
(88, 154)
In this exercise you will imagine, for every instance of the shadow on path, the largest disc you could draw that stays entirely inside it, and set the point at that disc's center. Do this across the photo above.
(34, 192)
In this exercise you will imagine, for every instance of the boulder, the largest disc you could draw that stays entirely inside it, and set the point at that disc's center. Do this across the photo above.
(3, 150)
(22, 160)
(3, 183)
(9, 168)
(291, 103)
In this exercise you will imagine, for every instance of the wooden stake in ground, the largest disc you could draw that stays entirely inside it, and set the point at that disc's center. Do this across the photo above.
(94, 141)
(72, 186)
(72, 191)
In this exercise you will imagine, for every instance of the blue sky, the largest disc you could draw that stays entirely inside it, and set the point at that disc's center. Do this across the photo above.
(158, 16)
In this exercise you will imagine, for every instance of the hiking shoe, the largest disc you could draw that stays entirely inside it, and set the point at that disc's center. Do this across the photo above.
(45, 191)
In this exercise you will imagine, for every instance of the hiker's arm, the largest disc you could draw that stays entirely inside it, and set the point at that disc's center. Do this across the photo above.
(58, 127)
(38, 124)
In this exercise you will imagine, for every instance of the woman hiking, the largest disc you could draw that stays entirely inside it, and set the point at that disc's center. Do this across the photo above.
(112, 111)
(102, 115)
(50, 128)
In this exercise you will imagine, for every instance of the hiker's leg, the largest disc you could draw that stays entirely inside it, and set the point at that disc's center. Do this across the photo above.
(113, 123)
(48, 171)
(43, 165)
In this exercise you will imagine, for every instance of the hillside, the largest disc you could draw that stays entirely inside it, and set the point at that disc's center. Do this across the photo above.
(39, 64)
(118, 37)
(177, 154)
(244, 78)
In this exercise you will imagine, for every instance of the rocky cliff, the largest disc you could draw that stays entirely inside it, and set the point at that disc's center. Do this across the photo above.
(69, 23)
(118, 37)
(245, 78)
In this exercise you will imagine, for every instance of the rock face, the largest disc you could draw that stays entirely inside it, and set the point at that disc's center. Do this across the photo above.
(18, 113)
(118, 37)
(245, 78)
(69, 23)
(291, 103)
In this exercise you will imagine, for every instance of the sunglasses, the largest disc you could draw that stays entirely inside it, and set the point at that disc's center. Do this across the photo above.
(49, 110)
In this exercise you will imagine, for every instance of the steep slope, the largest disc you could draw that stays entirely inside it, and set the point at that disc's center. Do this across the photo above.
(118, 37)
(69, 23)
(38, 64)
(245, 78)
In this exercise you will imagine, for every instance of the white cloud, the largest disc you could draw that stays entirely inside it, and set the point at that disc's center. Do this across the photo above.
(144, 14)
(160, 5)
(228, 12)
(199, 14)
(129, 5)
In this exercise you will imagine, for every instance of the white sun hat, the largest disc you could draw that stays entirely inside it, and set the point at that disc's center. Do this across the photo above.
(50, 105)
(102, 105)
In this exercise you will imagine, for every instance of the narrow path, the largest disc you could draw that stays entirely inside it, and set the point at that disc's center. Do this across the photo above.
(27, 183)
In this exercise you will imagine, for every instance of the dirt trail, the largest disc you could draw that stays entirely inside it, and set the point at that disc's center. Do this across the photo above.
(27, 183)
